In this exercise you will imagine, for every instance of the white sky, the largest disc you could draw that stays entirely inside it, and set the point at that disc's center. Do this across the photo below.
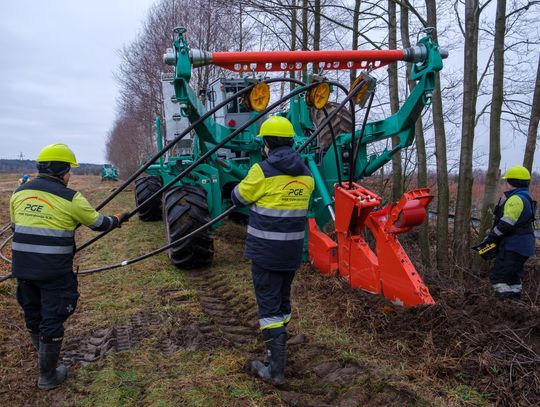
(57, 59)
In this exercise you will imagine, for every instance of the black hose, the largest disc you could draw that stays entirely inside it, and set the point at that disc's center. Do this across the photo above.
(336, 157)
(362, 131)
(171, 144)
(330, 117)
(5, 228)
(9, 275)
(207, 154)
(2, 248)
(161, 249)
(6, 277)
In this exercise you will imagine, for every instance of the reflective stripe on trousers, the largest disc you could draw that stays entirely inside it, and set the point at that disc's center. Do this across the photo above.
(264, 234)
(507, 288)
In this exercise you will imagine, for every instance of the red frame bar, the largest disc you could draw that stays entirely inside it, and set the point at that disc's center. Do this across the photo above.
(273, 61)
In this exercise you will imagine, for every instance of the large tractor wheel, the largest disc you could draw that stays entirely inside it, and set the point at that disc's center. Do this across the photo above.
(341, 123)
(144, 188)
(185, 209)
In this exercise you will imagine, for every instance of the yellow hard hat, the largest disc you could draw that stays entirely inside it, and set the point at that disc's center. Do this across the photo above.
(57, 152)
(276, 126)
(518, 172)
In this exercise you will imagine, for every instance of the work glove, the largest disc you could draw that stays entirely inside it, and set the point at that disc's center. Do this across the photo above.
(122, 217)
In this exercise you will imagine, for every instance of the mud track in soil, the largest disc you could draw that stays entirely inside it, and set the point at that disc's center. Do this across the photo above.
(316, 375)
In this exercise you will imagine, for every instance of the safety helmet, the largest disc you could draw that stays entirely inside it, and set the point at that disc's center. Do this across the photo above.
(518, 172)
(25, 177)
(276, 126)
(57, 152)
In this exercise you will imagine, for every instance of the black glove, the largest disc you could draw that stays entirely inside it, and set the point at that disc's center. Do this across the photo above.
(122, 217)
(488, 248)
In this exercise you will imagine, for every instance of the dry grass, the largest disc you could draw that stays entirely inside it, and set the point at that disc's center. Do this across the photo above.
(325, 310)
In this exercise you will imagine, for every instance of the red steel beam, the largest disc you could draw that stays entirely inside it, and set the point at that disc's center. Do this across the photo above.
(297, 60)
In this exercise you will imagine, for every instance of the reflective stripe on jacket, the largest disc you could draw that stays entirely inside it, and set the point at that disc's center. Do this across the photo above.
(278, 190)
(44, 214)
(516, 223)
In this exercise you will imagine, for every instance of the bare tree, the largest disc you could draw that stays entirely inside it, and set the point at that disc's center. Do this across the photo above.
(443, 195)
(493, 172)
(397, 178)
(421, 156)
(532, 134)
(462, 219)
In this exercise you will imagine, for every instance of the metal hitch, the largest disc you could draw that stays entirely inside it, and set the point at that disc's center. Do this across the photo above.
(386, 269)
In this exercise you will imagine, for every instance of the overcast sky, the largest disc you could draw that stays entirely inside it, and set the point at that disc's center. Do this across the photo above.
(57, 59)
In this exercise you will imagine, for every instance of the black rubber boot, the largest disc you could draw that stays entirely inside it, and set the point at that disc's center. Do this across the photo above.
(50, 375)
(272, 370)
(35, 339)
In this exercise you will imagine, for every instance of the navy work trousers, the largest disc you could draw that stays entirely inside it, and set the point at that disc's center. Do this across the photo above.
(273, 293)
(47, 304)
(507, 272)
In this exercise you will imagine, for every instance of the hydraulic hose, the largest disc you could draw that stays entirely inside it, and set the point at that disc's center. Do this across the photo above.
(330, 117)
(208, 154)
(362, 131)
(172, 143)
(4, 229)
(9, 275)
(2, 248)
(161, 249)
(336, 157)
(6, 277)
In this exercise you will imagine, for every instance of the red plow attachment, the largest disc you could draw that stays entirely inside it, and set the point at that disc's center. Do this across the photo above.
(387, 270)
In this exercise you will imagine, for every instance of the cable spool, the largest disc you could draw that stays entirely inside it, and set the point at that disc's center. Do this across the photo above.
(365, 91)
(258, 98)
(318, 96)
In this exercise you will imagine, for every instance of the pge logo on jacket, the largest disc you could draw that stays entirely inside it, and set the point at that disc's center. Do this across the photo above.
(295, 190)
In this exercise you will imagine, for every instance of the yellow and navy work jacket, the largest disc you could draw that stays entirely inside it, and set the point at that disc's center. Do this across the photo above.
(44, 215)
(278, 190)
(514, 222)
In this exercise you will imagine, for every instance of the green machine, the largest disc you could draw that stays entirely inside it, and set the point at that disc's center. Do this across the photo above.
(109, 173)
(335, 151)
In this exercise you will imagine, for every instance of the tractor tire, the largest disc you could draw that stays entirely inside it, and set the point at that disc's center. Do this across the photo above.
(185, 209)
(145, 187)
(341, 123)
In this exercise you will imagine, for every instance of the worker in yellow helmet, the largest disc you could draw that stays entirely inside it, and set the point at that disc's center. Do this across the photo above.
(513, 234)
(24, 179)
(44, 215)
(278, 191)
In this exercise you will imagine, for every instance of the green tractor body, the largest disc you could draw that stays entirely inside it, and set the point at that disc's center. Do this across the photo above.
(205, 192)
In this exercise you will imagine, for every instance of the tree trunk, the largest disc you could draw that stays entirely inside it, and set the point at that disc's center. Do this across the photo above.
(355, 33)
(397, 179)
(305, 34)
(317, 31)
(493, 172)
(294, 24)
(440, 155)
(423, 236)
(462, 220)
(532, 134)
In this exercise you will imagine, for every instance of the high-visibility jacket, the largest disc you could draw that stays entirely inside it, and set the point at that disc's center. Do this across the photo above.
(44, 215)
(278, 190)
(514, 222)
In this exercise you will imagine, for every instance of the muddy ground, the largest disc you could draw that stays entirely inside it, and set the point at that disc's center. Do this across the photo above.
(153, 335)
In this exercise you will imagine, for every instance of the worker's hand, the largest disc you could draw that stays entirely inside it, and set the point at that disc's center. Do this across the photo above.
(488, 248)
(122, 217)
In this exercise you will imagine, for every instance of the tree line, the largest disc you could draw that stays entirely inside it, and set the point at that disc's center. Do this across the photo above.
(490, 85)
(29, 167)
